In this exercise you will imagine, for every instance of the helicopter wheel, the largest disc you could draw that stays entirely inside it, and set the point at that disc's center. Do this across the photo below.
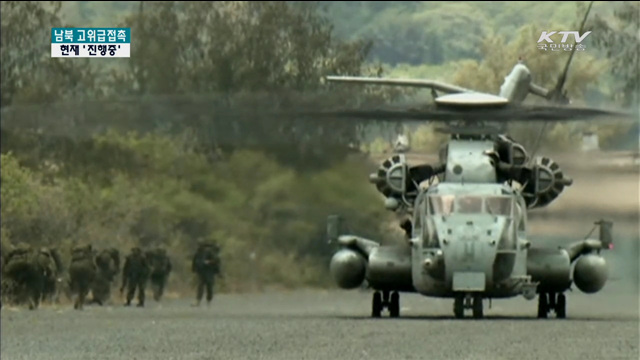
(458, 307)
(543, 306)
(561, 306)
(394, 305)
(477, 306)
(376, 304)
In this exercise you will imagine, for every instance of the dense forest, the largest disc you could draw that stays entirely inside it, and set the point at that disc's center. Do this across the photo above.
(175, 144)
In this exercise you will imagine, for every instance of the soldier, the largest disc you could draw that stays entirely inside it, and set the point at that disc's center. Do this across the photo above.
(206, 264)
(25, 274)
(160, 269)
(135, 275)
(5, 282)
(50, 261)
(108, 266)
(82, 273)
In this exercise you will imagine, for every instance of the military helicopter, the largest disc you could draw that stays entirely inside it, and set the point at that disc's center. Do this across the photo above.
(467, 237)
(466, 226)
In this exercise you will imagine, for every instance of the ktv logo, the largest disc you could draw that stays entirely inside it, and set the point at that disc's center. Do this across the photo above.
(546, 36)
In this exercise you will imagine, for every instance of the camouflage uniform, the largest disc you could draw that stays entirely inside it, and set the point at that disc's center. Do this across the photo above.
(107, 265)
(5, 282)
(160, 269)
(82, 273)
(206, 265)
(135, 275)
(49, 260)
(26, 273)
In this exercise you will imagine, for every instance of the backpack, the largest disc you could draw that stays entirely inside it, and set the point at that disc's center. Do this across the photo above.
(159, 263)
(208, 258)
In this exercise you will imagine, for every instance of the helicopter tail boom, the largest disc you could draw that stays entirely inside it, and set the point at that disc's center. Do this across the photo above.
(539, 90)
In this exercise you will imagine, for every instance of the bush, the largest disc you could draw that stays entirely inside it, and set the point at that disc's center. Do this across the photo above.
(159, 191)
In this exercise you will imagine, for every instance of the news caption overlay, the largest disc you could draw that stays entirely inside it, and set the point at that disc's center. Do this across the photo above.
(90, 42)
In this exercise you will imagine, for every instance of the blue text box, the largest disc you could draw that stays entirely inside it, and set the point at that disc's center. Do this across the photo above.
(90, 35)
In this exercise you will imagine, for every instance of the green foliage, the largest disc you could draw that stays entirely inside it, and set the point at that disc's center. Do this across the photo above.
(422, 138)
(443, 72)
(28, 73)
(228, 46)
(425, 139)
(499, 56)
(31, 211)
(620, 38)
(242, 51)
(406, 31)
(431, 32)
(377, 146)
(162, 191)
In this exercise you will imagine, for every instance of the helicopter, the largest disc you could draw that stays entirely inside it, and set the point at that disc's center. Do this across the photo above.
(466, 216)
(467, 236)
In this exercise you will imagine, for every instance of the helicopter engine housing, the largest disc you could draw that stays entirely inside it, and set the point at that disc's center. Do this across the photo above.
(547, 183)
(348, 268)
(590, 273)
(393, 181)
(511, 152)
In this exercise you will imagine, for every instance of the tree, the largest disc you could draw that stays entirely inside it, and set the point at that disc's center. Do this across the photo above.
(224, 64)
(28, 72)
(619, 37)
(425, 33)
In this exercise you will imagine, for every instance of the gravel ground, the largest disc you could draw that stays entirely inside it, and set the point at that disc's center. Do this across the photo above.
(327, 325)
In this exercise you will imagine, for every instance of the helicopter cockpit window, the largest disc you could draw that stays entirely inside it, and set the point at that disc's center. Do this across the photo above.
(469, 205)
(498, 205)
(441, 205)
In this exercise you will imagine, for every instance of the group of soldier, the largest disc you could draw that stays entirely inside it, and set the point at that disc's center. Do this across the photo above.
(34, 275)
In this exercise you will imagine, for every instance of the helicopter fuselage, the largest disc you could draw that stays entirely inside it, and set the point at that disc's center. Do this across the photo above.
(469, 238)
(467, 234)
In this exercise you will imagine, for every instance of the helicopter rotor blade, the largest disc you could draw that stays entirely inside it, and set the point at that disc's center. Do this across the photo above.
(513, 114)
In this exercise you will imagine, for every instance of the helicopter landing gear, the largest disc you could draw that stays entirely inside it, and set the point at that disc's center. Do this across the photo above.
(394, 305)
(385, 299)
(543, 306)
(468, 301)
(477, 307)
(552, 301)
(561, 306)
(376, 305)
(458, 307)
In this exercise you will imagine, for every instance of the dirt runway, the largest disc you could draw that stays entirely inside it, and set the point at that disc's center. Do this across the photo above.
(327, 325)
